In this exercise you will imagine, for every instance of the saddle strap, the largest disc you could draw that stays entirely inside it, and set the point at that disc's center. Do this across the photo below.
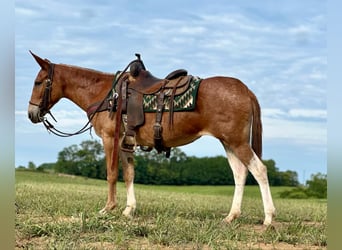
(172, 97)
(124, 96)
(158, 130)
(128, 142)
(105, 105)
(115, 152)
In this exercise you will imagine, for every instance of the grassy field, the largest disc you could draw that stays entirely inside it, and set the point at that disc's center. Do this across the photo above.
(60, 212)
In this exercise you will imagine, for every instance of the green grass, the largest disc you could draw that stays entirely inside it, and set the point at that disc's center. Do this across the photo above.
(58, 212)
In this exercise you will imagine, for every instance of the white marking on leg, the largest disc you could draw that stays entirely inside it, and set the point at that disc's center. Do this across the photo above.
(131, 202)
(240, 173)
(259, 171)
(128, 168)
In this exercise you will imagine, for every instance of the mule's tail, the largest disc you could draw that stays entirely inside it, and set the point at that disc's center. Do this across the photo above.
(256, 139)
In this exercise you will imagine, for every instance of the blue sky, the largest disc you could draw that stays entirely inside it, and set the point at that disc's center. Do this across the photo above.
(277, 48)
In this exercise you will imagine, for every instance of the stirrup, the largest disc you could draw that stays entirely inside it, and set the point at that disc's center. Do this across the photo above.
(128, 144)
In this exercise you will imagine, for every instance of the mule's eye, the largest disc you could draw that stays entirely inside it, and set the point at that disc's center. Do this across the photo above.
(37, 83)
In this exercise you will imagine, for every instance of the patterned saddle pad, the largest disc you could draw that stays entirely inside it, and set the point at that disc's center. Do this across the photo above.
(182, 102)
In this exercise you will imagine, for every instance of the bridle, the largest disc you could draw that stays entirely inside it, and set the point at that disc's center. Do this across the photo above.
(44, 103)
(44, 108)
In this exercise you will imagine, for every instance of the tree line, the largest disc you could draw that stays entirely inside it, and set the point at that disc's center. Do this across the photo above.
(88, 160)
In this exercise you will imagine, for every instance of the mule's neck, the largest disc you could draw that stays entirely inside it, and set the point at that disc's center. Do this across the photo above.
(83, 86)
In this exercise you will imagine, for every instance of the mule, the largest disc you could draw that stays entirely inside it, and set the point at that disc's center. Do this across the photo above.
(225, 109)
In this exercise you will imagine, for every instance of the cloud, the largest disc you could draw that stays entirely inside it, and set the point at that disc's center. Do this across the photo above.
(297, 132)
(308, 113)
(300, 126)
(273, 112)
(295, 113)
(25, 12)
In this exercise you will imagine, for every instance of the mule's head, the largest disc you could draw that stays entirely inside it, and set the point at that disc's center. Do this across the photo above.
(45, 92)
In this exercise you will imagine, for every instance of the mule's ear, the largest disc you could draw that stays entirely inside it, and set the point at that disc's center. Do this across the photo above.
(44, 64)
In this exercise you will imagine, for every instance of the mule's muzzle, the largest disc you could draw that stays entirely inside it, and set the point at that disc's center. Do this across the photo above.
(34, 114)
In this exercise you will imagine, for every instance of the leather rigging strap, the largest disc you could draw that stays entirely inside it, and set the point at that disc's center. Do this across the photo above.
(115, 155)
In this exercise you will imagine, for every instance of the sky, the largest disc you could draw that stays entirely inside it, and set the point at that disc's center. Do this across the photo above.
(277, 48)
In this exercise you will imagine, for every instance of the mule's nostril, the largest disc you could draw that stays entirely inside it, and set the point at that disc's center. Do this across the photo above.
(33, 118)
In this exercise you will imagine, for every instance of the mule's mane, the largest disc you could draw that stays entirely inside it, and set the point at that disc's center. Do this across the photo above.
(84, 69)
(83, 86)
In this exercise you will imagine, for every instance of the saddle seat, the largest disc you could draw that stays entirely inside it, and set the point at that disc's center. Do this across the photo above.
(145, 83)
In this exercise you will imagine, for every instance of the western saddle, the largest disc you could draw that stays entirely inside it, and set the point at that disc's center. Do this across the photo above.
(139, 82)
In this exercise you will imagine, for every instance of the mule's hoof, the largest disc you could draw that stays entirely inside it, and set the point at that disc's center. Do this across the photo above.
(107, 209)
(267, 222)
(227, 220)
(103, 211)
(231, 217)
(269, 217)
(129, 211)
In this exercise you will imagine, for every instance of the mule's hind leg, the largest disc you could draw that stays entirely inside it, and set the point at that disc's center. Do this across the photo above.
(128, 172)
(259, 171)
(240, 174)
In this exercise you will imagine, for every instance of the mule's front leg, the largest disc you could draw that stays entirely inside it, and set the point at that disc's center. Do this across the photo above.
(112, 175)
(128, 171)
(111, 197)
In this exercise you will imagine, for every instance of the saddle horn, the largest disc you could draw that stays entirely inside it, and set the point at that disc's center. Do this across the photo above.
(137, 66)
(139, 59)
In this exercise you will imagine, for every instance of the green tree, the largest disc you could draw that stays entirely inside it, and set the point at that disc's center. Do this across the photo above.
(31, 166)
(317, 186)
(87, 160)
(289, 178)
(67, 161)
(46, 167)
(154, 168)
